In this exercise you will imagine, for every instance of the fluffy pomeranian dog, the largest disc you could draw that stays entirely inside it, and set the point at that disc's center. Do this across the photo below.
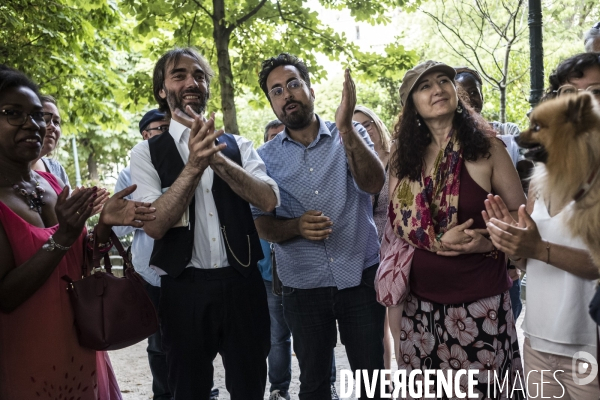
(564, 134)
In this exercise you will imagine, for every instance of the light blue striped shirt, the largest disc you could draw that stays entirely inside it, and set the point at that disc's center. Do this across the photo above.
(318, 177)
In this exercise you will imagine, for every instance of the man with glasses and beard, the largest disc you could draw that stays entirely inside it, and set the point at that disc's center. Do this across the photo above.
(325, 239)
(212, 298)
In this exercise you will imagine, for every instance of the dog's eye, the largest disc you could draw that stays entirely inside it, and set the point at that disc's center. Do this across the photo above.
(536, 128)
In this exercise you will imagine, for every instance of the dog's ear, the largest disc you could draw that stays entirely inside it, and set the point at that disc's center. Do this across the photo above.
(578, 107)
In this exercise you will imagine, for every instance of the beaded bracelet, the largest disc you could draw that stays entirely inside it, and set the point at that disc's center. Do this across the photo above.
(102, 247)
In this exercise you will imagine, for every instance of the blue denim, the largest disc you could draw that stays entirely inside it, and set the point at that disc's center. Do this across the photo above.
(515, 298)
(311, 315)
(280, 355)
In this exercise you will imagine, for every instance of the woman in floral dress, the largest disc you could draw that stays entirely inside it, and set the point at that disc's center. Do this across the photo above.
(457, 315)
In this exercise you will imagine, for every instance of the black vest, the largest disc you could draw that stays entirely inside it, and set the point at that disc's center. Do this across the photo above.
(173, 252)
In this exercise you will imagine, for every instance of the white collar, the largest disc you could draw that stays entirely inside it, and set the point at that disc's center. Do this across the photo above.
(177, 129)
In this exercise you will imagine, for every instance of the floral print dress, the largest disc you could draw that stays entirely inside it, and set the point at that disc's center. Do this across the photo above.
(480, 335)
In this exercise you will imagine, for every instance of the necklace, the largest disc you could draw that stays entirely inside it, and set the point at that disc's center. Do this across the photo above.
(34, 198)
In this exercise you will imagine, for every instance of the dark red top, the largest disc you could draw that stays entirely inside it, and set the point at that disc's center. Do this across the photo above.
(467, 277)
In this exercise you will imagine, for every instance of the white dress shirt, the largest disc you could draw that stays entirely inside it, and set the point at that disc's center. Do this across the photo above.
(142, 245)
(209, 247)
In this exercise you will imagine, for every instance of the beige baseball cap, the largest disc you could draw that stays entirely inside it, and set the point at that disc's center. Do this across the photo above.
(413, 75)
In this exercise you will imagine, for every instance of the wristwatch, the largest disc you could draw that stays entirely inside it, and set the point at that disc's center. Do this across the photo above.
(51, 245)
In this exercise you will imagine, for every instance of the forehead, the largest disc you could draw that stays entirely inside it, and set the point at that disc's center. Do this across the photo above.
(467, 81)
(50, 107)
(281, 75)
(590, 76)
(20, 96)
(276, 129)
(431, 76)
(360, 116)
(183, 63)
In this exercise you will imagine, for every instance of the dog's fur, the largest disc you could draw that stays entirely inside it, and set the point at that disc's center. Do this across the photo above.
(565, 135)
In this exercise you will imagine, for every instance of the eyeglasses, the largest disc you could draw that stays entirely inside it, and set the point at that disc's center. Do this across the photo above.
(368, 124)
(19, 118)
(162, 128)
(570, 89)
(293, 86)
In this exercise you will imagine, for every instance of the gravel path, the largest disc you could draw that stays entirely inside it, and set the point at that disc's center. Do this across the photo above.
(135, 380)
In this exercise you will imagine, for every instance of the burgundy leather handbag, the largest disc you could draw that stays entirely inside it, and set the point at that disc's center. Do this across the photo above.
(110, 312)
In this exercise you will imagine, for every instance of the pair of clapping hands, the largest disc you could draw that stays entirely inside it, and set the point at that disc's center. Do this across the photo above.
(72, 211)
(518, 239)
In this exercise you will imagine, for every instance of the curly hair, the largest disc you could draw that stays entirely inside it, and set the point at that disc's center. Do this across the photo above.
(282, 59)
(568, 69)
(413, 139)
(11, 78)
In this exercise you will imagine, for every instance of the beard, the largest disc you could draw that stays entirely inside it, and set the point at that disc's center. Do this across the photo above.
(176, 102)
(300, 118)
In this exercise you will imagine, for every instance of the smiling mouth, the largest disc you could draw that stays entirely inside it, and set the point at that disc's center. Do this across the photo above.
(191, 97)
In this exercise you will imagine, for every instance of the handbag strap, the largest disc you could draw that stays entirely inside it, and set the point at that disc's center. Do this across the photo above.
(107, 263)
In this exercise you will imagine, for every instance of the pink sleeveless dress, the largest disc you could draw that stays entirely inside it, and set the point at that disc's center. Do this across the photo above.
(40, 356)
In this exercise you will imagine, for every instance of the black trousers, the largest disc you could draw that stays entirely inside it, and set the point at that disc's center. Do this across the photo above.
(204, 312)
(156, 356)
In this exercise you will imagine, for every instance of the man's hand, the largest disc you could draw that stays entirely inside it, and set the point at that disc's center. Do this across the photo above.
(202, 139)
(120, 212)
(344, 113)
(313, 225)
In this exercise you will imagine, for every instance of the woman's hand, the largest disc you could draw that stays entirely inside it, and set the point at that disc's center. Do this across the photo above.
(457, 234)
(103, 196)
(496, 208)
(521, 241)
(478, 244)
(72, 212)
(120, 212)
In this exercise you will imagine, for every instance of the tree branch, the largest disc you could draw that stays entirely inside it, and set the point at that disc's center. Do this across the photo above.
(205, 10)
(250, 14)
(189, 35)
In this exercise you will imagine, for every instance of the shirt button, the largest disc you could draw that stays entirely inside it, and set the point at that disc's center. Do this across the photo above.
(316, 192)
(311, 170)
(215, 266)
(214, 239)
(207, 190)
(211, 214)
(331, 259)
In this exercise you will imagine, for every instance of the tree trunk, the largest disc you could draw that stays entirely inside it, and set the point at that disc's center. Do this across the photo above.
(222, 34)
(502, 88)
(92, 167)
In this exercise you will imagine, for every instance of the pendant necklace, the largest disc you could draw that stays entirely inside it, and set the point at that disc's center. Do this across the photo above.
(34, 198)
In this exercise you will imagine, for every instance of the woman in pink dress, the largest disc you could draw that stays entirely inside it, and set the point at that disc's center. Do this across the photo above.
(41, 240)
